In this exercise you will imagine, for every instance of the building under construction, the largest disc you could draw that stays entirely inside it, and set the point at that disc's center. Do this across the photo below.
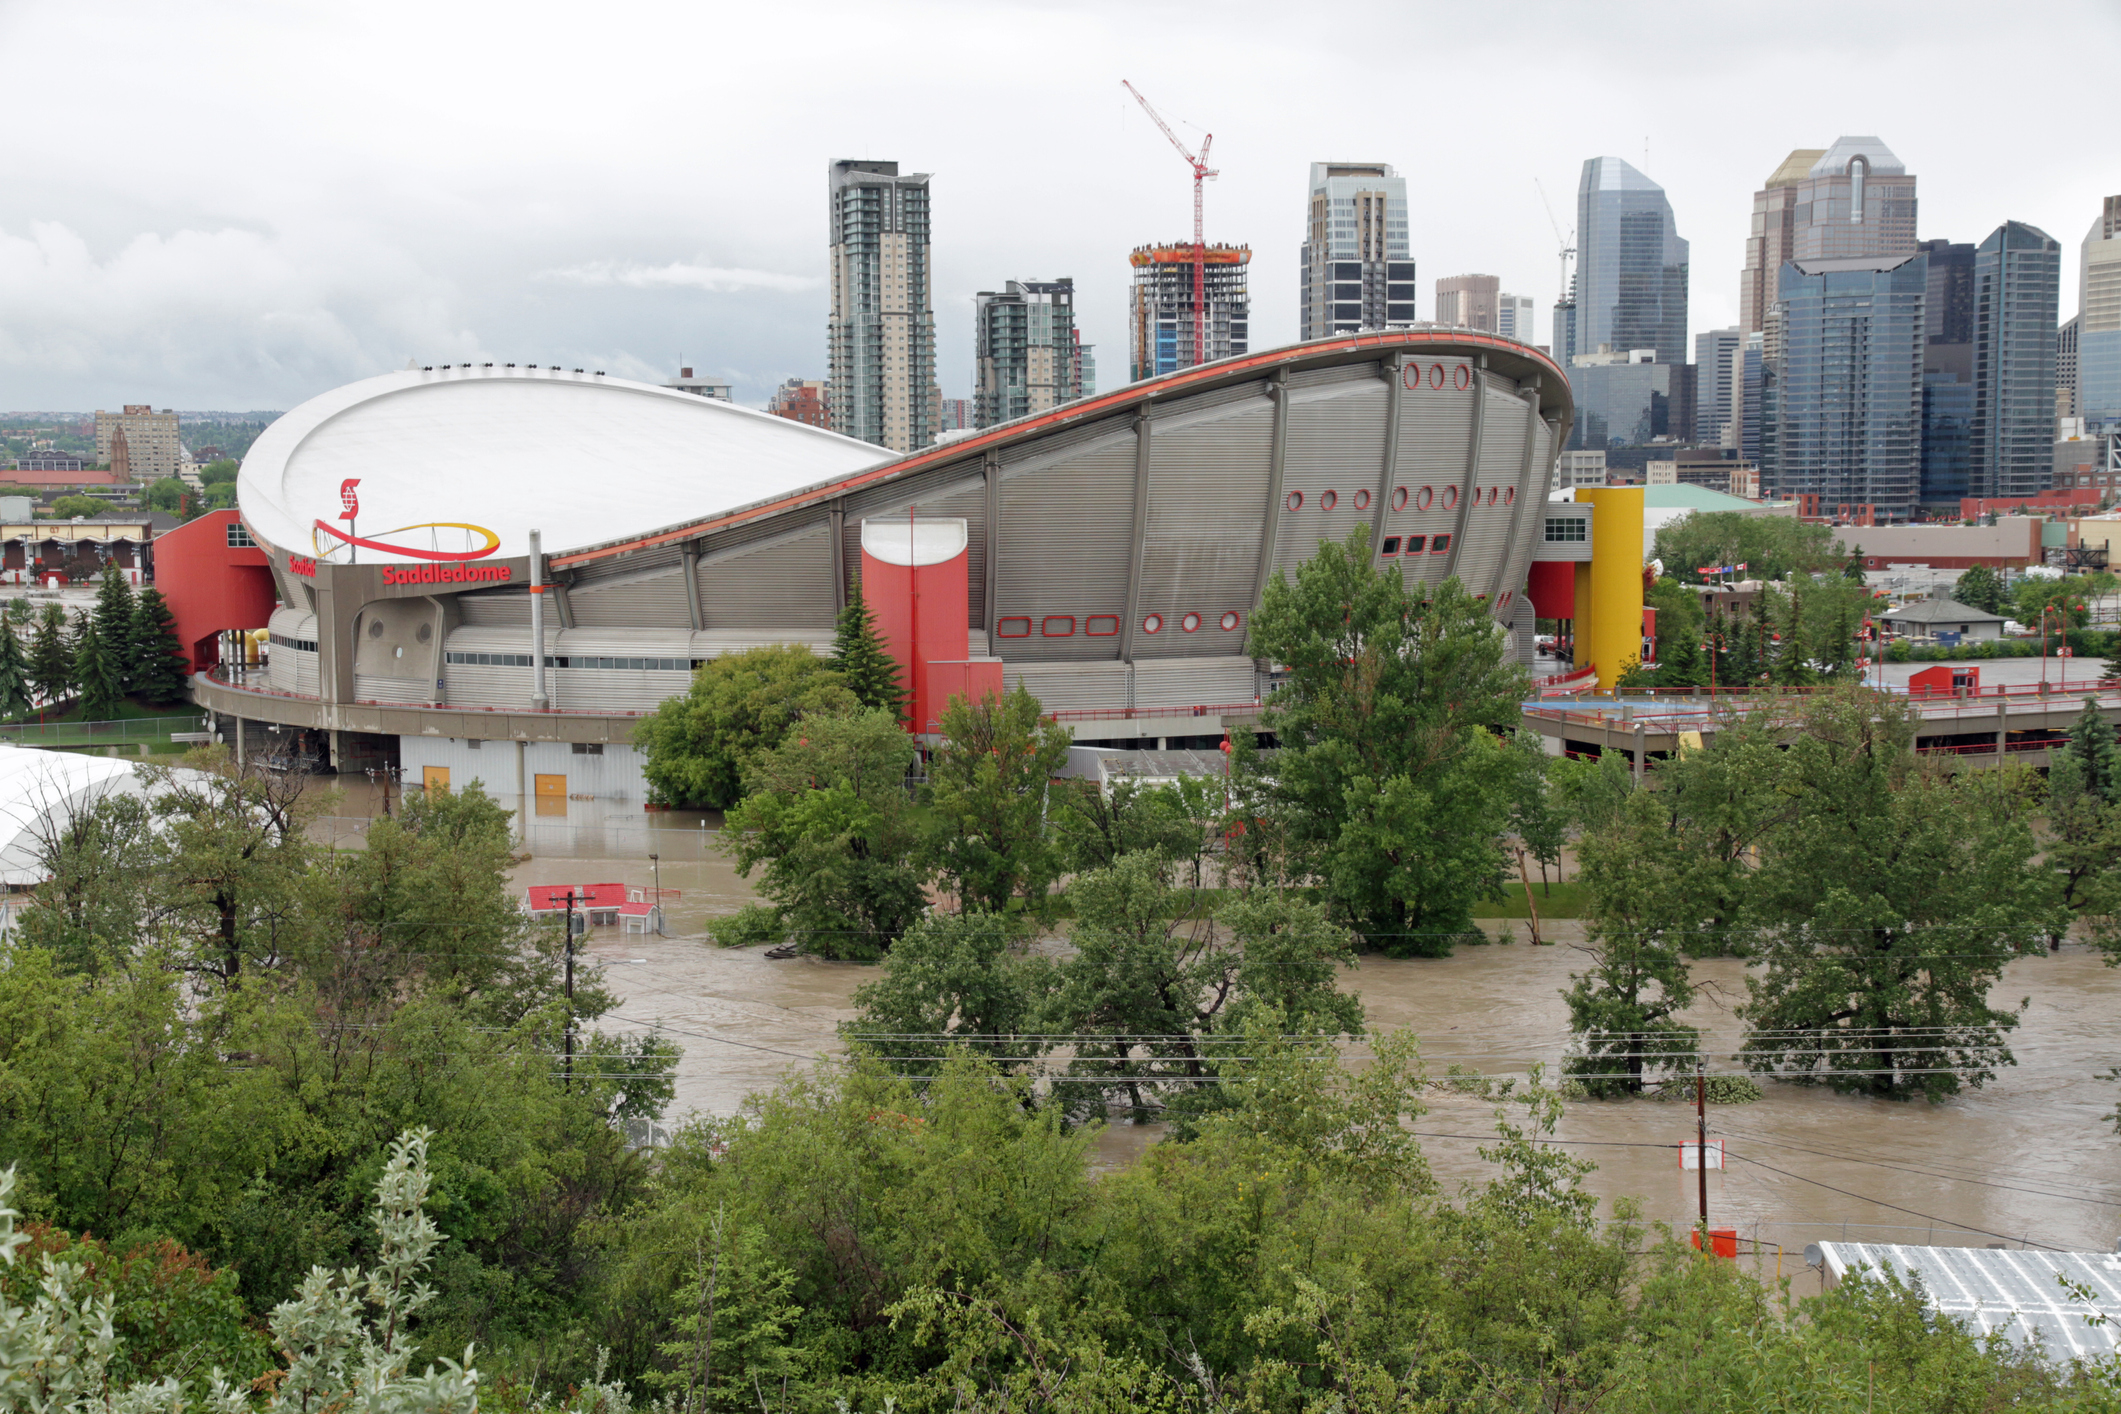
(1161, 327)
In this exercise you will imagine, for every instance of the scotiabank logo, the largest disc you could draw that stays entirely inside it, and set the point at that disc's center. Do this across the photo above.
(446, 574)
(302, 565)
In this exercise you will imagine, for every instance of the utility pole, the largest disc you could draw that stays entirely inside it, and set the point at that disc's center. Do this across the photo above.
(655, 861)
(569, 1063)
(1701, 1138)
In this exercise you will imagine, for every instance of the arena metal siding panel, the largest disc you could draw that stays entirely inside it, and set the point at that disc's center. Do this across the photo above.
(785, 585)
(292, 669)
(1066, 546)
(1488, 525)
(1192, 682)
(496, 608)
(1207, 498)
(1070, 687)
(1336, 443)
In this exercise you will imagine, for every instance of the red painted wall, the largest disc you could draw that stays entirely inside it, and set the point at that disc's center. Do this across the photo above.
(1551, 586)
(209, 586)
(920, 614)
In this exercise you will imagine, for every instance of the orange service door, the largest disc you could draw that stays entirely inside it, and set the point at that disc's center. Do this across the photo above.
(432, 776)
(551, 797)
(552, 785)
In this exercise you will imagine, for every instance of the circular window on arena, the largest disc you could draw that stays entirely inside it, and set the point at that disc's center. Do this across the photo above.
(1295, 501)
(1435, 375)
(1153, 624)
(1362, 500)
(1190, 623)
(1422, 502)
(1231, 619)
(1463, 378)
(1328, 500)
(1509, 497)
(424, 632)
(1399, 498)
(375, 628)
(1450, 497)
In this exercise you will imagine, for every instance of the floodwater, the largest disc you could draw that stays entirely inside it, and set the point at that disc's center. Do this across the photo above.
(2031, 1158)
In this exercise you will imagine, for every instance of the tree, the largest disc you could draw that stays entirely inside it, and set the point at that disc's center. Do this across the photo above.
(1680, 630)
(220, 472)
(739, 705)
(952, 975)
(114, 618)
(2063, 602)
(15, 685)
(1980, 587)
(51, 655)
(1093, 826)
(1538, 814)
(167, 494)
(988, 783)
(1770, 547)
(1623, 1006)
(158, 662)
(221, 497)
(827, 819)
(79, 508)
(1392, 780)
(867, 669)
(1885, 909)
(97, 675)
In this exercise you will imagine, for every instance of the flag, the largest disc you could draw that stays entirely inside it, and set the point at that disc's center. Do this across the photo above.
(1741, 567)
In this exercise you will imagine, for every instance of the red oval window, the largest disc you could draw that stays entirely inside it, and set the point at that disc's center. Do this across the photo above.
(1450, 497)
(1295, 501)
(1153, 624)
(1464, 378)
(1231, 619)
(1057, 626)
(1101, 625)
(1410, 377)
(1399, 498)
(1422, 502)
(1509, 496)
(1362, 500)
(1190, 623)
(1012, 628)
(1435, 375)
(1328, 500)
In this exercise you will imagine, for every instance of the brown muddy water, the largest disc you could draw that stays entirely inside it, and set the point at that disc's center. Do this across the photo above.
(2030, 1158)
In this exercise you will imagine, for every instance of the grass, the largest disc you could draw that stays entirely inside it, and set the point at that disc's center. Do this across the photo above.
(1565, 901)
(66, 729)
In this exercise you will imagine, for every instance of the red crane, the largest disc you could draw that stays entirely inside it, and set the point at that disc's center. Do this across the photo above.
(1201, 172)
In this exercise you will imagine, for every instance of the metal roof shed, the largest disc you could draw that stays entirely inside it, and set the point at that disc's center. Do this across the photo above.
(1997, 1291)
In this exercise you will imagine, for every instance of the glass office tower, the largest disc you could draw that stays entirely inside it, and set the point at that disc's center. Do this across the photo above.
(1356, 272)
(2099, 321)
(1842, 386)
(2017, 285)
(1631, 265)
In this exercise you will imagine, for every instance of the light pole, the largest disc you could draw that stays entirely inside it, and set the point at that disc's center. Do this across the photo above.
(656, 860)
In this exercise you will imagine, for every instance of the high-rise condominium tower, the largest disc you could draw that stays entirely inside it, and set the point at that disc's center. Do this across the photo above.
(1856, 200)
(1356, 270)
(2017, 283)
(1026, 359)
(1947, 373)
(1160, 324)
(1631, 265)
(880, 335)
(1469, 302)
(1774, 232)
(2099, 321)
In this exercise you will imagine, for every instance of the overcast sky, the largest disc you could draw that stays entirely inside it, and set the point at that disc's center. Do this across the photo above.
(230, 205)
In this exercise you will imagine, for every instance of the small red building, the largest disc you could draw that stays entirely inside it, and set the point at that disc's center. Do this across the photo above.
(214, 577)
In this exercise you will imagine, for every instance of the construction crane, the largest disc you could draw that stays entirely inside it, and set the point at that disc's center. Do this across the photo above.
(1566, 242)
(1201, 172)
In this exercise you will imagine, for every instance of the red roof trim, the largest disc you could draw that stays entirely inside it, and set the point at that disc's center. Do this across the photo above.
(1130, 395)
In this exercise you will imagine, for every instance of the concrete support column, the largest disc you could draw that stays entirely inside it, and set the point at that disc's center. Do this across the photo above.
(2003, 727)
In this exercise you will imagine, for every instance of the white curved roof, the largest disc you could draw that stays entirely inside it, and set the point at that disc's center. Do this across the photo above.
(43, 790)
(584, 459)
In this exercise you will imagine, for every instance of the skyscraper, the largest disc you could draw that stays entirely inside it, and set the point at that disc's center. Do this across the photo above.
(1356, 270)
(1947, 374)
(1856, 200)
(1842, 382)
(1514, 318)
(1774, 228)
(2017, 283)
(1631, 265)
(2066, 368)
(1160, 327)
(2099, 321)
(1024, 350)
(1469, 302)
(880, 335)
(1717, 369)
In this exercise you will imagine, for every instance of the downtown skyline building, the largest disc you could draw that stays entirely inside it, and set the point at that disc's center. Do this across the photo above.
(1514, 318)
(1772, 237)
(1718, 374)
(2017, 287)
(1026, 350)
(880, 333)
(1470, 302)
(1161, 328)
(1357, 272)
(1622, 335)
(1857, 200)
(2098, 333)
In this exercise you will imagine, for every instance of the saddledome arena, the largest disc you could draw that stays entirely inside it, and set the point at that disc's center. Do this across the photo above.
(1108, 554)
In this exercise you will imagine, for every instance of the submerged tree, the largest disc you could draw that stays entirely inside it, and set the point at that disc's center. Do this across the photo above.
(989, 782)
